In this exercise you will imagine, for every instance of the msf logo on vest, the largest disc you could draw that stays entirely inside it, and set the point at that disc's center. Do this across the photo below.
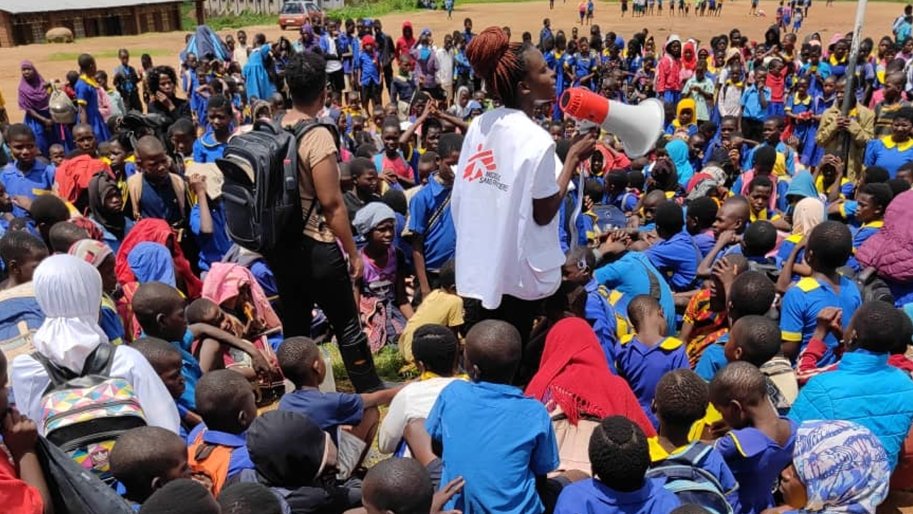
(482, 167)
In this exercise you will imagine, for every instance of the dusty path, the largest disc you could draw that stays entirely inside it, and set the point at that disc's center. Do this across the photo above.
(53, 61)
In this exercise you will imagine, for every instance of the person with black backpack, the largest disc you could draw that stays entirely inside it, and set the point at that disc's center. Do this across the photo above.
(296, 223)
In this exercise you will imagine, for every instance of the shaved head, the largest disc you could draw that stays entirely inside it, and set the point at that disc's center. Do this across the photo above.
(493, 351)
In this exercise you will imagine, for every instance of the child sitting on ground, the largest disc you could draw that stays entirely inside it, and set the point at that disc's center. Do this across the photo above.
(756, 340)
(436, 350)
(166, 361)
(145, 459)
(159, 309)
(384, 305)
(829, 247)
(649, 354)
(760, 443)
(519, 446)
(620, 457)
(750, 293)
(217, 448)
(681, 400)
(24, 486)
(675, 256)
(351, 419)
(442, 306)
(397, 486)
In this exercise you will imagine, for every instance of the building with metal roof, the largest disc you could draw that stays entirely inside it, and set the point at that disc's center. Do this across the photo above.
(24, 22)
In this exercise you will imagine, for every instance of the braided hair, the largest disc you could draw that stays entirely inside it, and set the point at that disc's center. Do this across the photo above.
(499, 62)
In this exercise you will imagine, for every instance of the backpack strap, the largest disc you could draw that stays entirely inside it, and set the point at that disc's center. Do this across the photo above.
(438, 213)
(655, 288)
(135, 191)
(98, 362)
(693, 456)
(300, 130)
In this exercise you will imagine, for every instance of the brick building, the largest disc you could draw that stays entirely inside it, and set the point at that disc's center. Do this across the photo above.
(23, 22)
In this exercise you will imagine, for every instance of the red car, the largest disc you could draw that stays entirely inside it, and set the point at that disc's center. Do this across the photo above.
(294, 14)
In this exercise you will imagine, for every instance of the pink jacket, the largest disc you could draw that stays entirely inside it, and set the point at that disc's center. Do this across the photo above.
(668, 74)
(890, 250)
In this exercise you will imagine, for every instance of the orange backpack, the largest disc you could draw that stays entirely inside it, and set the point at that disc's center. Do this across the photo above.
(209, 463)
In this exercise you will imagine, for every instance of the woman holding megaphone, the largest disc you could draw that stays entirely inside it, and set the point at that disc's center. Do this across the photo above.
(509, 188)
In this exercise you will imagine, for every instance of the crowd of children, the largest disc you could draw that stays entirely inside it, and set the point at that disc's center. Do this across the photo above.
(730, 332)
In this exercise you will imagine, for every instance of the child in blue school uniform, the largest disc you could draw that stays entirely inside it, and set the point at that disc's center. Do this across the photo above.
(871, 202)
(582, 65)
(620, 458)
(681, 401)
(87, 98)
(519, 444)
(755, 339)
(165, 359)
(830, 245)
(801, 108)
(207, 217)
(26, 176)
(598, 311)
(751, 294)
(760, 442)
(894, 150)
(676, 256)
(685, 120)
(145, 459)
(646, 356)
(211, 145)
(226, 403)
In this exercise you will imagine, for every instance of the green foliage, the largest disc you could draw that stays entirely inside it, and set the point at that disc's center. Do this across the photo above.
(357, 9)
(389, 363)
(104, 54)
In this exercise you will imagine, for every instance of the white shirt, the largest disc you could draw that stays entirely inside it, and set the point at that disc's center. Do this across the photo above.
(240, 55)
(29, 381)
(445, 67)
(506, 162)
(333, 65)
(413, 402)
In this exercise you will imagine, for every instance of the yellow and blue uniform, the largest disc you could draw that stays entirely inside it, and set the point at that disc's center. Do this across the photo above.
(600, 314)
(756, 461)
(87, 98)
(36, 181)
(887, 153)
(713, 359)
(802, 303)
(861, 235)
(847, 187)
(786, 248)
(765, 215)
(643, 365)
(677, 258)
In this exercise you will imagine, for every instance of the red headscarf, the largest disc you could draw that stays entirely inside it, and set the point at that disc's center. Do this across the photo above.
(574, 374)
(689, 55)
(156, 231)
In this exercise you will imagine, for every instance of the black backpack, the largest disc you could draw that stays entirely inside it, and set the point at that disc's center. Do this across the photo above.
(262, 202)
(873, 288)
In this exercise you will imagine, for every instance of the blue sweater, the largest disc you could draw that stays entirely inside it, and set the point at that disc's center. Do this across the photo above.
(866, 390)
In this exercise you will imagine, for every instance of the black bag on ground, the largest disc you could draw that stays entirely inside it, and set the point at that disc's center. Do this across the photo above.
(261, 197)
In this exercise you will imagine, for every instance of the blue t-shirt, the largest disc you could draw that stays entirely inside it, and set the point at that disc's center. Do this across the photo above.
(87, 98)
(190, 369)
(630, 274)
(207, 149)
(498, 440)
(802, 303)
(677, 258)
(751, 103)
(861, 235)
(705, 242)
(37, 180)
(212, 246)
(328, 410)
(592, 496)
(886, 153)
(240, 458)
(713, 359)
(367, 64)
(756, 462)
(160, 201)
(642, 366)
(439, 234)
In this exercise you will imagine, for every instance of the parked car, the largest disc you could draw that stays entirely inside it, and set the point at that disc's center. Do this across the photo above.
(295, 14)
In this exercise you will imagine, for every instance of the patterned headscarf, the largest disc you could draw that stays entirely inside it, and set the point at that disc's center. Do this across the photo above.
(92, 251)
(843, 466)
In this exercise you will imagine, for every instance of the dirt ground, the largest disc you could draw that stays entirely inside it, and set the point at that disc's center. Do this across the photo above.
(54, 60)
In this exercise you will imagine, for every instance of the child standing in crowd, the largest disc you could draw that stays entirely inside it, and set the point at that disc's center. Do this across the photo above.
(87, 95)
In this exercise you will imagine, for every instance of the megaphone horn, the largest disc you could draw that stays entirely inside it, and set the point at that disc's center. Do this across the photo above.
(637, 126)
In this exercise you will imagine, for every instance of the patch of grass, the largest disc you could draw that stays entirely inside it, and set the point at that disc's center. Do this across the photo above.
(388, 362)
(72, 56)
(371, 9)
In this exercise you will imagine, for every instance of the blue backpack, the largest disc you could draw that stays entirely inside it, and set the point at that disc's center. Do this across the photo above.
(690, 483)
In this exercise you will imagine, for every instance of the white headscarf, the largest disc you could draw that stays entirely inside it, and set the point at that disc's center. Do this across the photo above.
(68, 290)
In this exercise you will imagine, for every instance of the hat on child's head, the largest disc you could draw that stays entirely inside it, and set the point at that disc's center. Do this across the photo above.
(426, 32)
(288, 449)
(372, 215)
(214, 177)
(367, 40)
(92, 251)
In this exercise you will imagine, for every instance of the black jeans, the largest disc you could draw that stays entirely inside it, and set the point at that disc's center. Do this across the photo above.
(314, 272)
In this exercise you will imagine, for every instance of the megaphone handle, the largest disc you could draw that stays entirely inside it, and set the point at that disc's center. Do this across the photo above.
(578, 208)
